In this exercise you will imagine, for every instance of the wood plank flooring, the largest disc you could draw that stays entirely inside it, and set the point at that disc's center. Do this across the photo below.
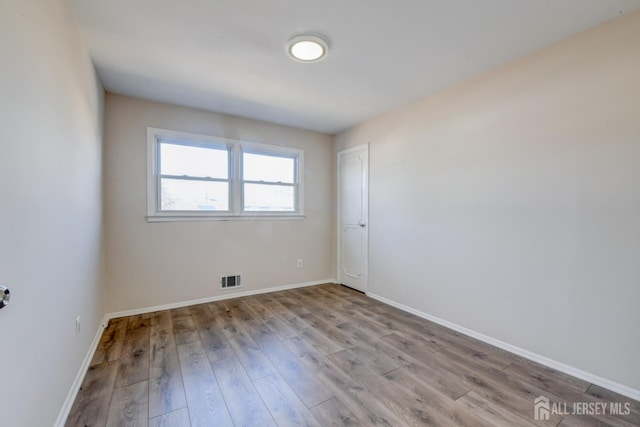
(318, 356)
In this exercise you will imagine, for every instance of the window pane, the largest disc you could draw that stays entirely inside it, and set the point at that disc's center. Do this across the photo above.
(195, 161)
(269, 198)
(184, 195)
(260, 167)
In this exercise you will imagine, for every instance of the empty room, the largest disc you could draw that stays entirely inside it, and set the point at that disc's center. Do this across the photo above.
(292, 213)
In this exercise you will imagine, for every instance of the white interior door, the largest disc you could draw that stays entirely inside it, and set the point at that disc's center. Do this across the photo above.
(353, 216)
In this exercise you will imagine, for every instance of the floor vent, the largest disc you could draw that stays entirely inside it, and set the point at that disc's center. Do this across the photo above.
(231, 282)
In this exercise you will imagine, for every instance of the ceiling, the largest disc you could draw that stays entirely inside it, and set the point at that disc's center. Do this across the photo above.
(229, 56)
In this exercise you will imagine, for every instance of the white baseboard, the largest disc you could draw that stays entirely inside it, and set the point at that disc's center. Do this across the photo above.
(215, 298)
(75, 387)
(567, 369)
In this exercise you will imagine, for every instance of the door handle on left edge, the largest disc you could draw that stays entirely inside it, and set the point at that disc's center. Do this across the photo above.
(5, 296)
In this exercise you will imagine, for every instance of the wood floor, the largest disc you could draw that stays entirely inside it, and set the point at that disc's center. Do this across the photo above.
(319, 356)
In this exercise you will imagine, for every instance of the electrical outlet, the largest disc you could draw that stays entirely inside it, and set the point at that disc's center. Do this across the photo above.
(77, 325)
(299, 263)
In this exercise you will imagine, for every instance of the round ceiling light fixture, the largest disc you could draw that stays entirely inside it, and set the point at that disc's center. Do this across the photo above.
(307, 48)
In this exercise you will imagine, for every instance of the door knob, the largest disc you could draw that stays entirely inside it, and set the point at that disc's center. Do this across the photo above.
(5, 296)
(362, 224)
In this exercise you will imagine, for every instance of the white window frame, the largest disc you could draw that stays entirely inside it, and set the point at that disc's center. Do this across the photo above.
(236, 148)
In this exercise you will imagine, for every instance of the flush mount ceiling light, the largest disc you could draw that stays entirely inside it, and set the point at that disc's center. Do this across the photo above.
(307, 48)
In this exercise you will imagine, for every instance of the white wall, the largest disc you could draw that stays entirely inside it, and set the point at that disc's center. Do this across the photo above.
(510, 204)
(50, 207)
(152, 264)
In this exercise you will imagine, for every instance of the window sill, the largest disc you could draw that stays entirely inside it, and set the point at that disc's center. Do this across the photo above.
(246, 217)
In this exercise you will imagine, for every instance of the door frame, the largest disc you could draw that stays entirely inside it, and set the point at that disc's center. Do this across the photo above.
(364, 147)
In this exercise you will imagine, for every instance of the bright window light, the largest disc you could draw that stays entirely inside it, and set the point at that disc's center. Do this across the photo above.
(197, 177)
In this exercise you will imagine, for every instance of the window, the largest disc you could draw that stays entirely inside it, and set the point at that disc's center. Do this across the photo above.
(268, 182)
(199, 177)
(193, 177)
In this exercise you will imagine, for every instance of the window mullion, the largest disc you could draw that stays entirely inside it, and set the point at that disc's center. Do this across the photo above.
(158, 178)
(236, 183)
